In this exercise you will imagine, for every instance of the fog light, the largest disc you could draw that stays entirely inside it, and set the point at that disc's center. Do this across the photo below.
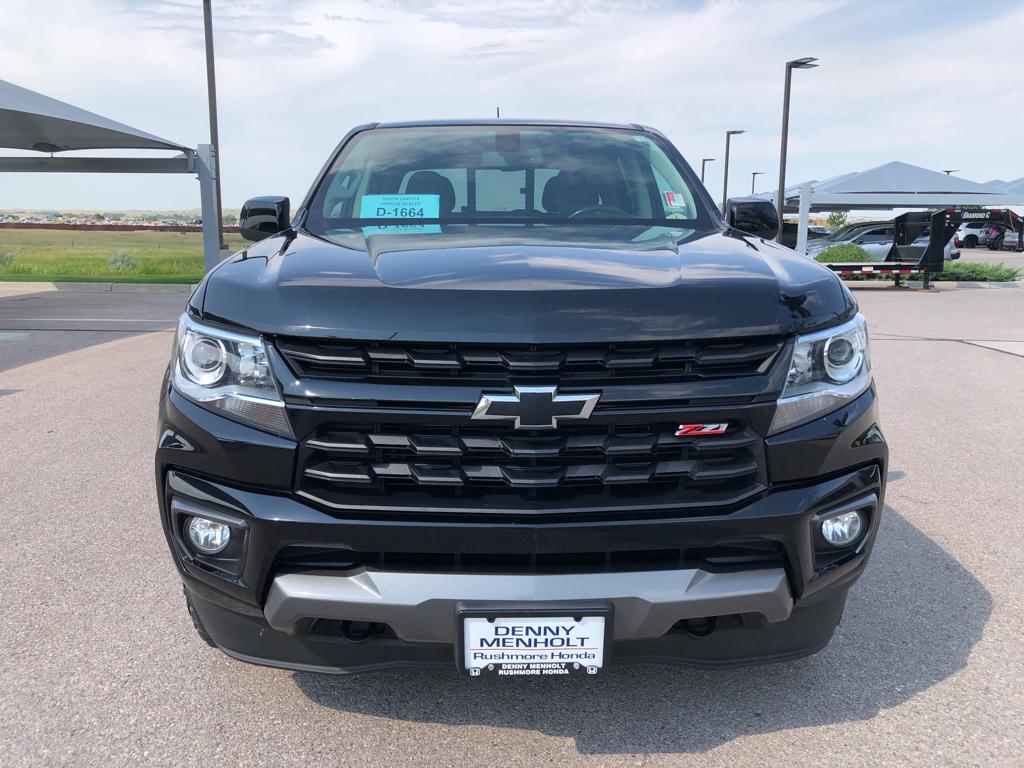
(842, 530)
(207, 536)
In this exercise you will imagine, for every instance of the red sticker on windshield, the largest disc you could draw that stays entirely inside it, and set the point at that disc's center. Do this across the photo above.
(675, 200)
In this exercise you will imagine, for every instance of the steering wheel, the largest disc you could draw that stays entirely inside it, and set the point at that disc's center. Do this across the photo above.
(591, 210)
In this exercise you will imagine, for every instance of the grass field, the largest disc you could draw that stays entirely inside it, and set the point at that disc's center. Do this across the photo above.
(76, 255)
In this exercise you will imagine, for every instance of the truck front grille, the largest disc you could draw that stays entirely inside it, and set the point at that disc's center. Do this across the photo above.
(496, 469)
(584, 365)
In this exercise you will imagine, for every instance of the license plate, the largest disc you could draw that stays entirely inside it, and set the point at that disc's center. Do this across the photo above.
(533, 645)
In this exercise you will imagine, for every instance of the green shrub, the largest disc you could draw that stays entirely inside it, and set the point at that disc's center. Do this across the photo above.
(844, 253)
(976, 271)
(7, 256)
(122, 261)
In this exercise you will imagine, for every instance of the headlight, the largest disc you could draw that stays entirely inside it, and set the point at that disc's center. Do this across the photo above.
(829, 368)
(227, 372)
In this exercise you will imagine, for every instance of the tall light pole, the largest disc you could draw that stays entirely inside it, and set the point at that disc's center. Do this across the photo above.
(725, 184)
(952, 170)
(804, 63)
(703, 165)
(753, 179)
(211, 90)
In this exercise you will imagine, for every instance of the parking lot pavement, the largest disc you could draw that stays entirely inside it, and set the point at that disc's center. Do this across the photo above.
(100, 666)
(982, 254)
(37, 323)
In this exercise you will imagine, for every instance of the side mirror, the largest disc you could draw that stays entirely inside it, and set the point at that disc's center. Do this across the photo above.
(753, 215)
(264, 216)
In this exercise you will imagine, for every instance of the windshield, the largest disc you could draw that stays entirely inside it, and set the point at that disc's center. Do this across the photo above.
(417, 180)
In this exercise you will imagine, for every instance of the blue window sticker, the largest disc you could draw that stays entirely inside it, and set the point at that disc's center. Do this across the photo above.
(401, 207)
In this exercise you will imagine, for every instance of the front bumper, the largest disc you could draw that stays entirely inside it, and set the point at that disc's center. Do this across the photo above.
(733, 640)
(420, 607)
(697, 613)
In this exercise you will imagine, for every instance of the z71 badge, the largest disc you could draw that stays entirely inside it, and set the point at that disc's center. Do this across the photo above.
(687, 430)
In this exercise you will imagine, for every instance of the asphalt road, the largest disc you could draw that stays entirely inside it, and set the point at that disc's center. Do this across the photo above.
(100, 667)
(39, 322)
(983, 254)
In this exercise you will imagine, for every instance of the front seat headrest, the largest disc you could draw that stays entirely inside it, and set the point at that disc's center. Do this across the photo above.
(433, 183)
(567, 193)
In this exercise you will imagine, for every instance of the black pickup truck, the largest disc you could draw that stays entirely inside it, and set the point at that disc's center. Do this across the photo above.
(513, 397)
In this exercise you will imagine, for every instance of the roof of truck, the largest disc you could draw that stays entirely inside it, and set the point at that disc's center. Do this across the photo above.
(513, 121)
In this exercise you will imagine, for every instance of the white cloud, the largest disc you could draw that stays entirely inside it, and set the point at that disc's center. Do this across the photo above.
(897, 81)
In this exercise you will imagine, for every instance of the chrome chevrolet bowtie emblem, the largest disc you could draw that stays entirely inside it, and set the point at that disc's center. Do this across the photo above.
(535, 407)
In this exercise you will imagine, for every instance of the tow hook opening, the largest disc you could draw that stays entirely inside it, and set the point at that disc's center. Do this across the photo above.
(357, 631)
(700, 627)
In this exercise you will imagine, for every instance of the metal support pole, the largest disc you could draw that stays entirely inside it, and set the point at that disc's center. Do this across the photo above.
(703, 165)
(725, 174)
(805, 214)
(179, 164)
(211, 90)
(805, 63)
(205, 165)
(781, 197)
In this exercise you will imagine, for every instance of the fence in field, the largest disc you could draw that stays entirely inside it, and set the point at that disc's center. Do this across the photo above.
(110, 227)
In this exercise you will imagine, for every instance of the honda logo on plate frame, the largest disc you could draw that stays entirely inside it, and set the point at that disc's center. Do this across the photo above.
(535, 407)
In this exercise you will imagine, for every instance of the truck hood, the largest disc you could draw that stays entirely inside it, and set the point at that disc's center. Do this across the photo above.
(517, 285)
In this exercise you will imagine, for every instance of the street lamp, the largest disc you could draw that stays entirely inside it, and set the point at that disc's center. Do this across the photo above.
(725, 184)
(804, 63)
(753, 179)
(952, 170)
(703, 165)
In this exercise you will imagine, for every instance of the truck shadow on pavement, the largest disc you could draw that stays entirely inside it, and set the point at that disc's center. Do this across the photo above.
(910, 623)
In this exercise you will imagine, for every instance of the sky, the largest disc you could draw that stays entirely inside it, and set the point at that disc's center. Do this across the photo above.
(928, 82)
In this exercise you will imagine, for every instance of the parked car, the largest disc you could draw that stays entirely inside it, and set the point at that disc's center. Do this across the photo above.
(840, 235)
(951, 251)
(515, 398)
(789, 235)
(876, 239)
(968, 233)
(999, 236)
(991, 231)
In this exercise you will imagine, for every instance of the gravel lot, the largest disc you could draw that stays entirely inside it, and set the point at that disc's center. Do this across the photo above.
(100, 665)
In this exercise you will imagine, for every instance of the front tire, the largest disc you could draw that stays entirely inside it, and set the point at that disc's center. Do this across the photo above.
(996, 245)
(971, 241)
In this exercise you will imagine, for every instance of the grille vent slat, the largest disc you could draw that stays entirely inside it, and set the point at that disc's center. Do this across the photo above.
(473, 364)
(750, 553)
(645, 460)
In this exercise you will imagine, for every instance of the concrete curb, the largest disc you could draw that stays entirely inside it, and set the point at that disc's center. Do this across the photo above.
(13, 287)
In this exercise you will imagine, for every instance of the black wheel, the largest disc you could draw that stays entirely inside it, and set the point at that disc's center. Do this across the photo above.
(996, 245)
(971, 241)
(197, 622)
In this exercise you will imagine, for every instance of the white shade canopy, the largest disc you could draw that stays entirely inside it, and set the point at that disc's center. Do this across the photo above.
(30, 120)
(901, 185)
(34, 122)
(1015, 187)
